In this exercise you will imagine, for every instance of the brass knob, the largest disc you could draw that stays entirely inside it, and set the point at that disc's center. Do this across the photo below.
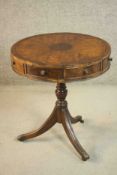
(42, 72)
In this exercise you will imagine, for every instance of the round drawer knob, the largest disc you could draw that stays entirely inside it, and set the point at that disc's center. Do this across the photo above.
(42, 72)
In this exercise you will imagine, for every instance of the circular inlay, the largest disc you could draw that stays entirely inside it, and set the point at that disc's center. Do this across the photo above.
(61, 46)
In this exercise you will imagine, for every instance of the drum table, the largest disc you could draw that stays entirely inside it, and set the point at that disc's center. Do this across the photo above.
(60, 57)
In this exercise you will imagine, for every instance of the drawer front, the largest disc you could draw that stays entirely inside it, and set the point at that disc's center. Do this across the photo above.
(88, 71)
(44, 73)
(54, 74)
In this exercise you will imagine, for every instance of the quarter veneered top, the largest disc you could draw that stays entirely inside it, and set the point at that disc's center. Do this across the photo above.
(61, 50)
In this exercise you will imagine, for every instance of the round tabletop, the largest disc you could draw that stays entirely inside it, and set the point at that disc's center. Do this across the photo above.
(60, 52)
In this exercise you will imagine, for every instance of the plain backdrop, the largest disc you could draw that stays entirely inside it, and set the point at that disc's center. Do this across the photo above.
(25, 104)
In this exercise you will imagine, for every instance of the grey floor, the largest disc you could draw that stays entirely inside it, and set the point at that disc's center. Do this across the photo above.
(23, 108)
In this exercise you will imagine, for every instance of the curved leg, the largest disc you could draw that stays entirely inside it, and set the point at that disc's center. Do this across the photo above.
(60, 114)
(70, 133)
(45, 127)
(77, 119)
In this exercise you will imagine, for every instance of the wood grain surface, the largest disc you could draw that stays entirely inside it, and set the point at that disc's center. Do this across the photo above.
(60, 56)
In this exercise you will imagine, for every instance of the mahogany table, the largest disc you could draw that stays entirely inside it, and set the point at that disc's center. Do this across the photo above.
(60, 57)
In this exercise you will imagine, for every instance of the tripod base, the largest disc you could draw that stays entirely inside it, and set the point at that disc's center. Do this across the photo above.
(61, 115)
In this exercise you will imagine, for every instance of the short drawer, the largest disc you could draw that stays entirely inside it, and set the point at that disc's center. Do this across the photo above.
(45, 73)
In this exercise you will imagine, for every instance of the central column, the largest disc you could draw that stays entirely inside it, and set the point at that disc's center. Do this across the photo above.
(61, 103)
(61, 91)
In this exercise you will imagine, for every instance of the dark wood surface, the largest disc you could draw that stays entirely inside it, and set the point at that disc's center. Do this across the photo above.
(61, 115)
(61, 56)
